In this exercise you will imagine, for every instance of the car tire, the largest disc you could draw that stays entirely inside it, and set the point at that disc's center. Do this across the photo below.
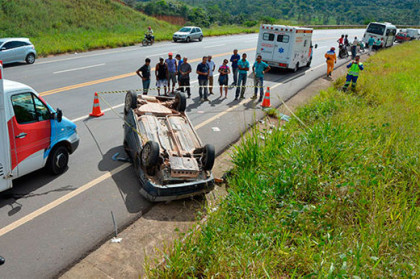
(209, 154)
(175, 40)
(130, 101)
(201, 38)
(58, 160)
(30, 58)
(180, 102)
(188, 39)
(150, 154)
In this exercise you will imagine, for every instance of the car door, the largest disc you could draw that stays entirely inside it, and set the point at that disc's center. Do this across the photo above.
(31, 128)
(7, 53)
(20, 51)
(267, 46)
(196, 35)
(281, 48)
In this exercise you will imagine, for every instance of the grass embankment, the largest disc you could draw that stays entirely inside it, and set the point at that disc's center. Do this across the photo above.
(338, 198)
(66, 26)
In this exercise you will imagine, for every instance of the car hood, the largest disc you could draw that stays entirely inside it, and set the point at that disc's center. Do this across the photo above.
(181, 33)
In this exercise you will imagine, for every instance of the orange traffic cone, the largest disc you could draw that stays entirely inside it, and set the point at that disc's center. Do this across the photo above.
(266, 101)
(96, 110)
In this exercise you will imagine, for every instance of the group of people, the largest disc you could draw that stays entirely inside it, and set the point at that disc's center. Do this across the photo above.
(177, 70)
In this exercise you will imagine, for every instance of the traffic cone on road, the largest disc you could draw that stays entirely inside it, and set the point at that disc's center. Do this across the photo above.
(266, 101)
(96, 110)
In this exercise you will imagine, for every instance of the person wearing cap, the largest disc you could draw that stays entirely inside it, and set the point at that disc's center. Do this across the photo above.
(161, 71)
(331, 60)
(149, 33)
(354, 69)
(179, 62)
(145, 76)
(212, 66)
(203, 74)
(172, 71)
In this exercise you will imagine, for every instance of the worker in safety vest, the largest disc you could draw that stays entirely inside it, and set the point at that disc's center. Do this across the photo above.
(331, 60)
(354, 69)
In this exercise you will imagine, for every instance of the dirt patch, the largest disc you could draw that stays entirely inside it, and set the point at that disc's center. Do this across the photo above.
(175, 20)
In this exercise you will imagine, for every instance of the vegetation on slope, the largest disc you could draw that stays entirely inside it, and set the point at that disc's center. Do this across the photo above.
(249, 12)
(338, 198)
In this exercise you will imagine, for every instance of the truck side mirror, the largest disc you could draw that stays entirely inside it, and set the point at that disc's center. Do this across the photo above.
(59, 115)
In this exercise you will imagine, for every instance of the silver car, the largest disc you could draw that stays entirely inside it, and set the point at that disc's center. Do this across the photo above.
(188, 33)
(17, 50)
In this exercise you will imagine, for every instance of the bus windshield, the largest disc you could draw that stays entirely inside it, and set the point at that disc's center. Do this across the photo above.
(375, 28)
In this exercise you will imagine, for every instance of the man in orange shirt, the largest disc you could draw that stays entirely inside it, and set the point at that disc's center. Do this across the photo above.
(331, 60)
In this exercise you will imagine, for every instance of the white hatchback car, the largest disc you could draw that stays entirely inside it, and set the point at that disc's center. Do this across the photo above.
(188, 33)
(17, 50)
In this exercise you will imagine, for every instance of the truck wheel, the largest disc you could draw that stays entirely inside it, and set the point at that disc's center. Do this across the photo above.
(30, 58)
(150, 154)
(209, 155)
(180, 102)
(296, 67)
(58, 160)
(130, 101)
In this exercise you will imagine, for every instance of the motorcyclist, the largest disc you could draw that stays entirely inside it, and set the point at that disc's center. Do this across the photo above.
(341, 40)
(149, 34)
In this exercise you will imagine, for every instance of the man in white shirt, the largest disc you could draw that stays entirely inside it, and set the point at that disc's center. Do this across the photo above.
(354, 48)
(212, 66)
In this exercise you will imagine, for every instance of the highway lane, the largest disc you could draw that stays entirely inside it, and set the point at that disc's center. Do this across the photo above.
(52, 240)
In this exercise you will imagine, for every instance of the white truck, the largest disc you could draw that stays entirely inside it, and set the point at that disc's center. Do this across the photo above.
(287, 47)
(32, 134)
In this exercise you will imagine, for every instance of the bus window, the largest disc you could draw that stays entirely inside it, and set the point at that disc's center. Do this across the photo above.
(375, 28)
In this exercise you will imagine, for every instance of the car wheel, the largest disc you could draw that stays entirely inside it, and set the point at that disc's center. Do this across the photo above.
(188, 40)
(30, 58)
(180, 102)
(175, 40)
(150, 154)
(130, 101)
(201, 38)
(209, 155)
(58, 160)
(296, 68)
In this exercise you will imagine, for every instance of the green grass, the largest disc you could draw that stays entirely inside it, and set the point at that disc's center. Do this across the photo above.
(338, 199)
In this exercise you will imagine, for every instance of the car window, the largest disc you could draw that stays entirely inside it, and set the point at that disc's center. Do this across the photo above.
(184, 29)
(29, 109)
(10, 45)
(195, 30)
(283, 38)
(268, 37)
(20, 44)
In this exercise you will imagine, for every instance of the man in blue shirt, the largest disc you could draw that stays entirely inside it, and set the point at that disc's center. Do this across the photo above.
(234, 59)
(259, 69)
(203, 74)
(243, 66)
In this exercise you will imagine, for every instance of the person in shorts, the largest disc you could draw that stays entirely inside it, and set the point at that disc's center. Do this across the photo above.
(172, 71)
(161, 71)
(145, 75)
(184, 76)
(224, 72)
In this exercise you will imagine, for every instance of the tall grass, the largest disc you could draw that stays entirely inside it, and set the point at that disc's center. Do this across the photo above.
(339, 199)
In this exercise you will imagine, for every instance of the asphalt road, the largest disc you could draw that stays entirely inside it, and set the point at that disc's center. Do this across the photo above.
(49, 222)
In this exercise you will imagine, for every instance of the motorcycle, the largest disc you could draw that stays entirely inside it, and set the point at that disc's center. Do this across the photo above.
(343, 52)
(148, 40)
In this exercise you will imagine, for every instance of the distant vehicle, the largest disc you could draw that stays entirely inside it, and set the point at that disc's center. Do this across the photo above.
(148, 40)
(402, 37)
(411, 34)
(169, 158)
(17, 50)
(32, 134)
(188, 33)
(378, 30)
(285, 47)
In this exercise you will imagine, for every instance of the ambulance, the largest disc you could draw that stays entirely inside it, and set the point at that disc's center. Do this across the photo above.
(32, 134)
(287, 47)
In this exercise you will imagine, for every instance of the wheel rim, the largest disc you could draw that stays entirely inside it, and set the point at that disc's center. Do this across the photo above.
(31, 58)
(60, 160)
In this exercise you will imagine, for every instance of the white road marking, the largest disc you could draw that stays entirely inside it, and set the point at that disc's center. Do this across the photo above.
(77, 69)
(214, 46)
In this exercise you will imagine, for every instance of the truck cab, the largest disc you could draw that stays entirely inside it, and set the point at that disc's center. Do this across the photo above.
(32, 134)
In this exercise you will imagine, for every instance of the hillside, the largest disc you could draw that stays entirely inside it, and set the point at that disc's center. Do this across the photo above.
(76, 25)
(206, 12)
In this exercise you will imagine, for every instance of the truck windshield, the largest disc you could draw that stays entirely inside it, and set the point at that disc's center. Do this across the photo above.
(375, 28)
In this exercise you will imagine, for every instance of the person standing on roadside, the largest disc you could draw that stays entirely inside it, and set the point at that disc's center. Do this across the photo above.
(371, 41)
(172, 69)
(179, 62)
(161, 71)
(331, 60)
(259, 69)
(354, 69)
(184, 76)
(224, 72)
(243, 66)
(145, 75)
(203, 74)
(212, 66)
(340, 41)
(234, 59)
(354, 48)
(346, 41)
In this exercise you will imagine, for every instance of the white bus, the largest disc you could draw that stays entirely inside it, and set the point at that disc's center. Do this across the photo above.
(385, 31)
